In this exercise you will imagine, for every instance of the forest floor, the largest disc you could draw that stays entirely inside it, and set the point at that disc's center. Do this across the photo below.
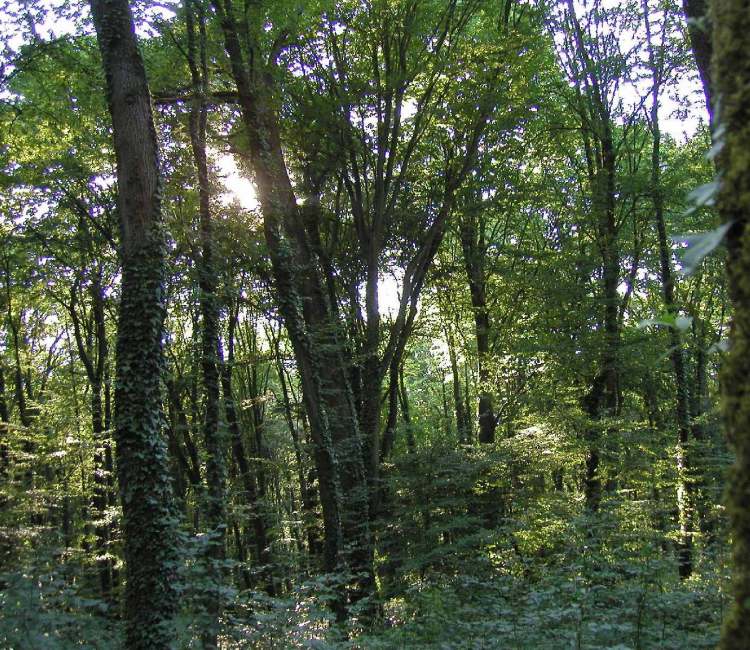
(477, 551)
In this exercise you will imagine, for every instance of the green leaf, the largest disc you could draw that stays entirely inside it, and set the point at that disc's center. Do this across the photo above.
(683, 323)
(699, 245)
(719, 346)
(703, 195)
(680, 323)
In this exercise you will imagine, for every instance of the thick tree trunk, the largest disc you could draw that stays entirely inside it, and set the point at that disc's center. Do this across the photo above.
(149, 526)
(731, 61)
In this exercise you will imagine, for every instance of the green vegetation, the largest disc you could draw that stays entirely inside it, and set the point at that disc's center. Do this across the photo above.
(445, 371)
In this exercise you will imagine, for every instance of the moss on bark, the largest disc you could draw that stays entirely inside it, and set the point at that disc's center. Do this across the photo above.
(732, 77)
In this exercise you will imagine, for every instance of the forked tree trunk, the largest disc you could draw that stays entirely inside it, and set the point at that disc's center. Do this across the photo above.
(313, 329)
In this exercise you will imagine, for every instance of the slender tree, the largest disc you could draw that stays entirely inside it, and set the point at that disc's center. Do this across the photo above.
(656, 64)
(213, 440)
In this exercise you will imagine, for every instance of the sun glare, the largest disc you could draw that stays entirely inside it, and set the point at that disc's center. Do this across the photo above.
(237, 187)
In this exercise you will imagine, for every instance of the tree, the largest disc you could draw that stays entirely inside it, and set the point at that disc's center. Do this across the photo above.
(658, 66)
(731, 38)
(148, 520)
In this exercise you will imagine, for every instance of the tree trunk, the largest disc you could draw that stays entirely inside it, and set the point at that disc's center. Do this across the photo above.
(4, 419)
(731, 61)
(676, 354)
(403, 399)
(474, 251)
(239, 452)
(93, 354)
(699, 30)
(389, 435)
(149, 526)
(215, 471)
(313, 330)
(306, 495)
(462, 416)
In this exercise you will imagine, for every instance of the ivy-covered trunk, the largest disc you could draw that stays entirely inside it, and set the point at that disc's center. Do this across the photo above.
(731, 38)
(149, 524)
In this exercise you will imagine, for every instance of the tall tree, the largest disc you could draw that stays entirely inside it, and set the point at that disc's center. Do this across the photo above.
(308, 314)
(657, 65)
(149, 526)
(215, 472)
(731, 66)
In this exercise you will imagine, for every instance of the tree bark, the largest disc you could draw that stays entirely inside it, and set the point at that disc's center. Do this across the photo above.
(731, 63)
(463, 425)
(149, 525)
(312, 328)
(604, 397)
(474, 252)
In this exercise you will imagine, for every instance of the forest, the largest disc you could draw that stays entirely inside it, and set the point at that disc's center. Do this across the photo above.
(374, 324)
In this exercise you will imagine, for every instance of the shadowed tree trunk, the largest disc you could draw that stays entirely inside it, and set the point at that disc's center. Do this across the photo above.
(215, 471)
(592, 103)
(4, 419)
(732, 76)
(306, 491)
(93, 353)
(699, 29)
(474, 249)
(310, 322)
(149, 524)
(241, 457)
(463, 417)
